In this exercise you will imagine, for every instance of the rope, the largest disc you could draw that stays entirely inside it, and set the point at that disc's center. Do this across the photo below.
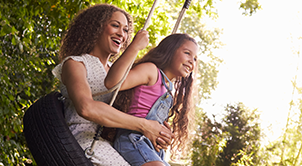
(117, 86)
(184, 8)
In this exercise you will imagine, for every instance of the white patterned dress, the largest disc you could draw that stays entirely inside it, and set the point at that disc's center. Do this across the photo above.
(82, 129)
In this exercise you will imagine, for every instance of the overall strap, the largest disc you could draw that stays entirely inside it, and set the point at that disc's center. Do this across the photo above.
(163, 76)
(160, 109)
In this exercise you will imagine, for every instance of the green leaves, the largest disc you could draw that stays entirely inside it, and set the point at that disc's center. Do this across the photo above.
(30, 35)
(250, 7)
(233, 141)
(208, 142)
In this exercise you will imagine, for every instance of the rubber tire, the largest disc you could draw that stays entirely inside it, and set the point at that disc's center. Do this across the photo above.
(48, 136)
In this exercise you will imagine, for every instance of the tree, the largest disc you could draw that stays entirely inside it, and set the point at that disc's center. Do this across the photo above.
(250, 7)
(209, 138)
(244, 135)
(234, 141)
(30, 35)
(291, 146)
(208, 143)
(287, 150)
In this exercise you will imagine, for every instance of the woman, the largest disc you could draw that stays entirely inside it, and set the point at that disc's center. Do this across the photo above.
(94, 36)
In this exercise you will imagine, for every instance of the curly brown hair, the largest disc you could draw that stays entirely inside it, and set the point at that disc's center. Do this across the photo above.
(182, 111)
(86, 27)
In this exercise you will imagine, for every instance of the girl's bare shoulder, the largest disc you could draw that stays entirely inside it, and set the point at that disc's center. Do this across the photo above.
(150, 71)
(148, 65)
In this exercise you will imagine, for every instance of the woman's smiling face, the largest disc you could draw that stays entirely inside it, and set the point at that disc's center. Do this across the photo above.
(114, 35)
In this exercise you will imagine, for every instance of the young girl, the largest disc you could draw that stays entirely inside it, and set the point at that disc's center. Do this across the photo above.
(173, 59)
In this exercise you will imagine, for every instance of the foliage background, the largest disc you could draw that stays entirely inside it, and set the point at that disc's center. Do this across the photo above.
(30, 34)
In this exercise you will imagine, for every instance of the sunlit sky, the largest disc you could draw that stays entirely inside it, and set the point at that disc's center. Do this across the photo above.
(259, 63)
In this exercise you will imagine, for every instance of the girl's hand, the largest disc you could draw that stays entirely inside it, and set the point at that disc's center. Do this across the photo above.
(141, 40)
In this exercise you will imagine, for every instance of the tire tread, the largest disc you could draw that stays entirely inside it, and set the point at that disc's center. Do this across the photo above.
(48, 136)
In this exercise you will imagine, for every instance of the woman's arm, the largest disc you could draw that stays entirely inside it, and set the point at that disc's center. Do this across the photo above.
(147, 74)
(74, 78)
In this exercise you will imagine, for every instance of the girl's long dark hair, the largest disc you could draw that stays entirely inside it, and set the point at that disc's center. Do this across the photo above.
(181, 111)
(86, 27)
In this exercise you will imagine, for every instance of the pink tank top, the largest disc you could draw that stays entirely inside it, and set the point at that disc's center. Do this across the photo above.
(145, 96)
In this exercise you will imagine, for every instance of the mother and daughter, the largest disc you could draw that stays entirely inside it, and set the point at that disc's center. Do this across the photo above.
(145, 102)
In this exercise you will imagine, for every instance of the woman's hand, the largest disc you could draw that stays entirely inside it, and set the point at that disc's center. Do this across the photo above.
(140, 40)
(160, 135)
(165, 139)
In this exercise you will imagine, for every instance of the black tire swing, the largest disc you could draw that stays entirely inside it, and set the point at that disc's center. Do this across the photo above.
(48, 136)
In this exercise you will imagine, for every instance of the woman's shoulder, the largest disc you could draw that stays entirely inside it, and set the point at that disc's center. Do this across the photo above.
(89, 61)
(84, 59)
(81, 58)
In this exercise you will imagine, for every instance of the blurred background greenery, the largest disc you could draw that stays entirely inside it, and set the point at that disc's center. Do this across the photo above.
(30, 34)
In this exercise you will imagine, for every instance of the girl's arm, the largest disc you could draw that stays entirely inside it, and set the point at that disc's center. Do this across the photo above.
(142, 74)
(119, 68)
(74, 78)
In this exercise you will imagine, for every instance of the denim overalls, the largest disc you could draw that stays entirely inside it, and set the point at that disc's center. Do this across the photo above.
(134, 146)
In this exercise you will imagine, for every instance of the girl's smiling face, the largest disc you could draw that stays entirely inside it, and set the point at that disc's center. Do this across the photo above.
(184, 59)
